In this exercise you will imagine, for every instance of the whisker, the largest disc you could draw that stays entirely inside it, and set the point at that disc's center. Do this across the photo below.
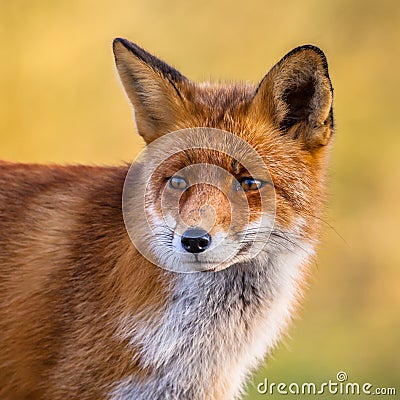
(329, 226)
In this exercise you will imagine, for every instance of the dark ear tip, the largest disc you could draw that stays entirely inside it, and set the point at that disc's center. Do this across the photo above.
(126, 43)
(309, 47)
(134, 49)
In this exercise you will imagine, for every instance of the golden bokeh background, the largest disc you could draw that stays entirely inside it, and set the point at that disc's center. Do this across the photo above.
(60, 101)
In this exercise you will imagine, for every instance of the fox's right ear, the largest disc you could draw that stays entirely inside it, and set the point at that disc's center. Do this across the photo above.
(152, 87)
(296, 96)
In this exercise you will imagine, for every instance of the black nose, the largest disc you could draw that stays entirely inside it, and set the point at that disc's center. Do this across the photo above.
(195, 240)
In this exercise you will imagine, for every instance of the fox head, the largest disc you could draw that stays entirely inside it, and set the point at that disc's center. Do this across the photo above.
(225, 162)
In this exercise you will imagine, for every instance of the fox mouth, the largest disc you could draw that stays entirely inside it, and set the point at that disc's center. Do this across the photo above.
(206, 265)
(199, 266)
(210, 265)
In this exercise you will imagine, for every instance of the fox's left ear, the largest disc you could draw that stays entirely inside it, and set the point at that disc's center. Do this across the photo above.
(296, 96)
(152, 87)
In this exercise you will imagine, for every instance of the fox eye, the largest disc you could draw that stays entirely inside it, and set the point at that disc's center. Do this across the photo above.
(176, 182)
(248, 184)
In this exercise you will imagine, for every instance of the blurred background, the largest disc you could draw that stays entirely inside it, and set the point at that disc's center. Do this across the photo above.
(60, 101)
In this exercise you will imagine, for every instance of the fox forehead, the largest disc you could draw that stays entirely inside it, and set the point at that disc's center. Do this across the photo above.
(182, 159)
(225, 106)
(222, 106)
(216, 102)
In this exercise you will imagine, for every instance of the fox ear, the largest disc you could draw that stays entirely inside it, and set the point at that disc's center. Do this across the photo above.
(152, 87)
(296, 96)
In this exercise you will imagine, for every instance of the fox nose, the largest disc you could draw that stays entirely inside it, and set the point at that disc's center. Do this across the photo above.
(195, 240)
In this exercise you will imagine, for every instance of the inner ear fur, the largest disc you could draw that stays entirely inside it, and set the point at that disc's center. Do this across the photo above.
(296, 96)
(152, 87)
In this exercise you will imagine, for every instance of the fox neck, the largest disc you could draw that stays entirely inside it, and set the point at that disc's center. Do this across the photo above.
(216, 328)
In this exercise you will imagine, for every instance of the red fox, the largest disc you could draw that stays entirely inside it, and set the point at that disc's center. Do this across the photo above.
(84, 314)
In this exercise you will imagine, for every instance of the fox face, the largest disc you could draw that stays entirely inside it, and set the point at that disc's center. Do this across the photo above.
(202, 208)
(229, 169)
